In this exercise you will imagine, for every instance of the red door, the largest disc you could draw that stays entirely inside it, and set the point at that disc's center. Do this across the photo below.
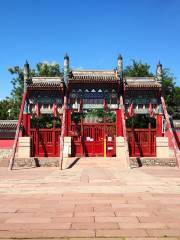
(141, 142)
(45, 142)
(89, 139)
(93, 136)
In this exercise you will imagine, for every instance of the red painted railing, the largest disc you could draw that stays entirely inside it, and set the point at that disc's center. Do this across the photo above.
(63, 130)
(124, 130)
(11, 163)
(172, 138)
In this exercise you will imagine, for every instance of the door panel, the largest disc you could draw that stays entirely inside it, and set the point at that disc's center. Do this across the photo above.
(92, 139)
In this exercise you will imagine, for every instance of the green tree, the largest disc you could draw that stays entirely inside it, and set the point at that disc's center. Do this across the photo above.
(5, 109)
(168, 89)
(48, 70)
(137, 69)
(176, 103)
(171, 93)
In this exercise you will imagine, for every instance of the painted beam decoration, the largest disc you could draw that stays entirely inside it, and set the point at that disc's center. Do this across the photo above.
(45, 101)
(93, 98)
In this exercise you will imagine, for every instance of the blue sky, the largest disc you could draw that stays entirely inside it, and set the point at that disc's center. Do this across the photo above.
(92, 32)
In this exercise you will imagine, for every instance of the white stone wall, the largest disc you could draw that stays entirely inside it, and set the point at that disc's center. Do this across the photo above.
(24, 147)
(162, 148)
(67, 147)
(122, 151)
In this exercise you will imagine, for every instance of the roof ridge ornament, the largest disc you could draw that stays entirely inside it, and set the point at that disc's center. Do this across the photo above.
(66, 56)
(66, 68)
(159, 63)
(120, 57)
(120, 66)
(159, 72)
(26, 72)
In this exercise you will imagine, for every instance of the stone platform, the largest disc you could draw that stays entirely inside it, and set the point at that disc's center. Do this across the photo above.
(90, 200)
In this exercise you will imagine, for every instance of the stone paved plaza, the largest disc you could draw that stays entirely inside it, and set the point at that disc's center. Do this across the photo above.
(96, 198)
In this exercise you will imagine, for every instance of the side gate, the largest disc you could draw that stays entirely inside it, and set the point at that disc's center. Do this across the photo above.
(142, 142)
(45, 142)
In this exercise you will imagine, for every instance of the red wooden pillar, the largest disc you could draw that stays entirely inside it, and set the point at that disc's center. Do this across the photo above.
(68, 122)
(119, 126)
(149, 139)
(159, 125)
(26, 124)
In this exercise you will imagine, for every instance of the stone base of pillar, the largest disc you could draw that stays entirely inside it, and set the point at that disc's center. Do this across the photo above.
(24, 147)
(67, 147)
(122, 151)
(162, 147)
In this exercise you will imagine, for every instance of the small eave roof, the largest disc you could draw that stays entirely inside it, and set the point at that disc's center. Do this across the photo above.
(45, 82)
(133, 82)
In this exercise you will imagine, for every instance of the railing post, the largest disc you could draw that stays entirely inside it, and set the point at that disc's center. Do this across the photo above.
(11, 163)
(159, 125)
(175, 146)
(119, 125)
(124, 130)
(63, 131)
(68, 121)
(26, 124)
(149, 139)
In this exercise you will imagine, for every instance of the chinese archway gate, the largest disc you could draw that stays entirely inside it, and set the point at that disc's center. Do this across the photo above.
(87, 90)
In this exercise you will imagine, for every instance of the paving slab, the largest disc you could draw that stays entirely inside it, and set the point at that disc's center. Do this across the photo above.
(90, 201)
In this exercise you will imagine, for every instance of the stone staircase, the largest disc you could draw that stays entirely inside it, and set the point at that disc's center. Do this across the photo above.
(172, 137)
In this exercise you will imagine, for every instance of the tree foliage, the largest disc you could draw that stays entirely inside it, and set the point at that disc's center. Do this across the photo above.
(48, 70)
(5, 106)
(137, 69)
